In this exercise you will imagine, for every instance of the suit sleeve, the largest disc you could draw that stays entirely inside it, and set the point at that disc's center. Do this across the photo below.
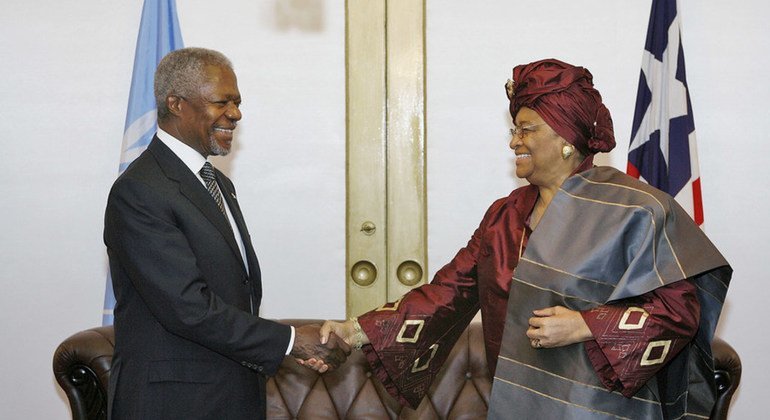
(635, 338)
(144, 237)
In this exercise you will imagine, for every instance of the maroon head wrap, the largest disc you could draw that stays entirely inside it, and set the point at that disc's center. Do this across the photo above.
(564, 97)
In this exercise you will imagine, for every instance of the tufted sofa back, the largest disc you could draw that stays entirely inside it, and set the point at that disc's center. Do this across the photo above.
(81, 365)
(352, 392)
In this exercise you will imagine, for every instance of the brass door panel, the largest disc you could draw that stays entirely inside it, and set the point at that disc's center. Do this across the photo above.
(386, 213)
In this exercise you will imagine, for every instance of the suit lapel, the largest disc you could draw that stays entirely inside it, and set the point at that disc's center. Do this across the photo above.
(235, 209)
(193, 190)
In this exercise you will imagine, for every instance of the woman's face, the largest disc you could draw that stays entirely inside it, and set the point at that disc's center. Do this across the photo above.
(538, 150)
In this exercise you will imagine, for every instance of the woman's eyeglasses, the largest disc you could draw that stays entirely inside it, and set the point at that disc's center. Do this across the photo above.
(522, 130)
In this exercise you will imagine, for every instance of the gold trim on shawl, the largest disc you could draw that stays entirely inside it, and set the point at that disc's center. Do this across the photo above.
(566, 272)
(555, 292)
(572, 380)
(560, 400)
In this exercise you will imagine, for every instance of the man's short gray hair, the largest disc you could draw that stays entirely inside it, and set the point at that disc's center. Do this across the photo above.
(181, 73)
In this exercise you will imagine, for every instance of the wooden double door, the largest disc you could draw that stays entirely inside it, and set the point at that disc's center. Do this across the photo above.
(386, 230)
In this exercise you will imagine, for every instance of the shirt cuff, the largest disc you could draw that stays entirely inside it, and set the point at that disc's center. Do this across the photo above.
(291, 341)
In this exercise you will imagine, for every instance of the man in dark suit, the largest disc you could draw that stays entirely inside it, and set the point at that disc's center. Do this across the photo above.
(189, 343)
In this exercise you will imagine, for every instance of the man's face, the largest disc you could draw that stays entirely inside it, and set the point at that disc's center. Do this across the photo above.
(207, 121)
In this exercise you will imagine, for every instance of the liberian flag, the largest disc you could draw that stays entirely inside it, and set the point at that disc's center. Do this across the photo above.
(159, 34)
(663, 151)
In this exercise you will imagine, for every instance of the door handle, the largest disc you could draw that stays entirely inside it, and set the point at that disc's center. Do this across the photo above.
(409, 273)
(363, 273)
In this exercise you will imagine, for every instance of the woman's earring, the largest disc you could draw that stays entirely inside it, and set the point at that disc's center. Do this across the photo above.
(567, 151)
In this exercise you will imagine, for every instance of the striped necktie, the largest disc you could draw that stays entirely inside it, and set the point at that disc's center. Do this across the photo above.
(207, 173)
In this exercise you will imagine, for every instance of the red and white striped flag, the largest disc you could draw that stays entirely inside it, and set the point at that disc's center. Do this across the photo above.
(663, 151)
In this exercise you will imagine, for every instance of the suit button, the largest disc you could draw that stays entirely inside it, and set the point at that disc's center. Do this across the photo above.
(246, 282)
(260, 369)
(244, 364)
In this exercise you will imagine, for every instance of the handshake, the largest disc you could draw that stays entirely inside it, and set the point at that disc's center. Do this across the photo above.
(324, 348)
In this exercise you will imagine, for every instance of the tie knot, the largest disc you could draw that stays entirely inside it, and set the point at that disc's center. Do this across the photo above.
(207, 172)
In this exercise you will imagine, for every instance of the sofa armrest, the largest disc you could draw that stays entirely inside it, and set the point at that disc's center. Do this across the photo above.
(727, 372)
(81, 365)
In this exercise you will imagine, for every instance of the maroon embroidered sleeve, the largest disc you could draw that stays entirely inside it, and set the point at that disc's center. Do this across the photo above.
(412, 337)
(635, 338)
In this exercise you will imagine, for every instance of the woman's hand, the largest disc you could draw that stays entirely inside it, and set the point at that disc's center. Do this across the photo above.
(556, 326)
(346, 330)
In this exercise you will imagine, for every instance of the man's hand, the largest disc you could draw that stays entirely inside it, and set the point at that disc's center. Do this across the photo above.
(309, 351)
(557, 326)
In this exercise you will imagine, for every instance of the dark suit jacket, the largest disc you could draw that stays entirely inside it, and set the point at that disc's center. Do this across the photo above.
(188, 340)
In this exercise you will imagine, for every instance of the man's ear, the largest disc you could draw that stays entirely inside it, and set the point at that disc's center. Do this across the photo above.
(174, 104)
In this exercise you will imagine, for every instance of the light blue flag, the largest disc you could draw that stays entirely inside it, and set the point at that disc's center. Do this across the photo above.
(159, 34)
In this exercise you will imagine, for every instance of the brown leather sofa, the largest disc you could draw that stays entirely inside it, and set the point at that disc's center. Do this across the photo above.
(81, 365)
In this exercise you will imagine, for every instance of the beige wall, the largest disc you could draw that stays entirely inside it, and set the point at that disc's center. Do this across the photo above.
(63, 92)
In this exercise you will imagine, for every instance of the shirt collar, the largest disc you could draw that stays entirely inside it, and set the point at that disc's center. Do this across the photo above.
(191, 158)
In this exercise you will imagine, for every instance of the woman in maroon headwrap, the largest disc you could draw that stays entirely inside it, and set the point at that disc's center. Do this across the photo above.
(598, 308)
